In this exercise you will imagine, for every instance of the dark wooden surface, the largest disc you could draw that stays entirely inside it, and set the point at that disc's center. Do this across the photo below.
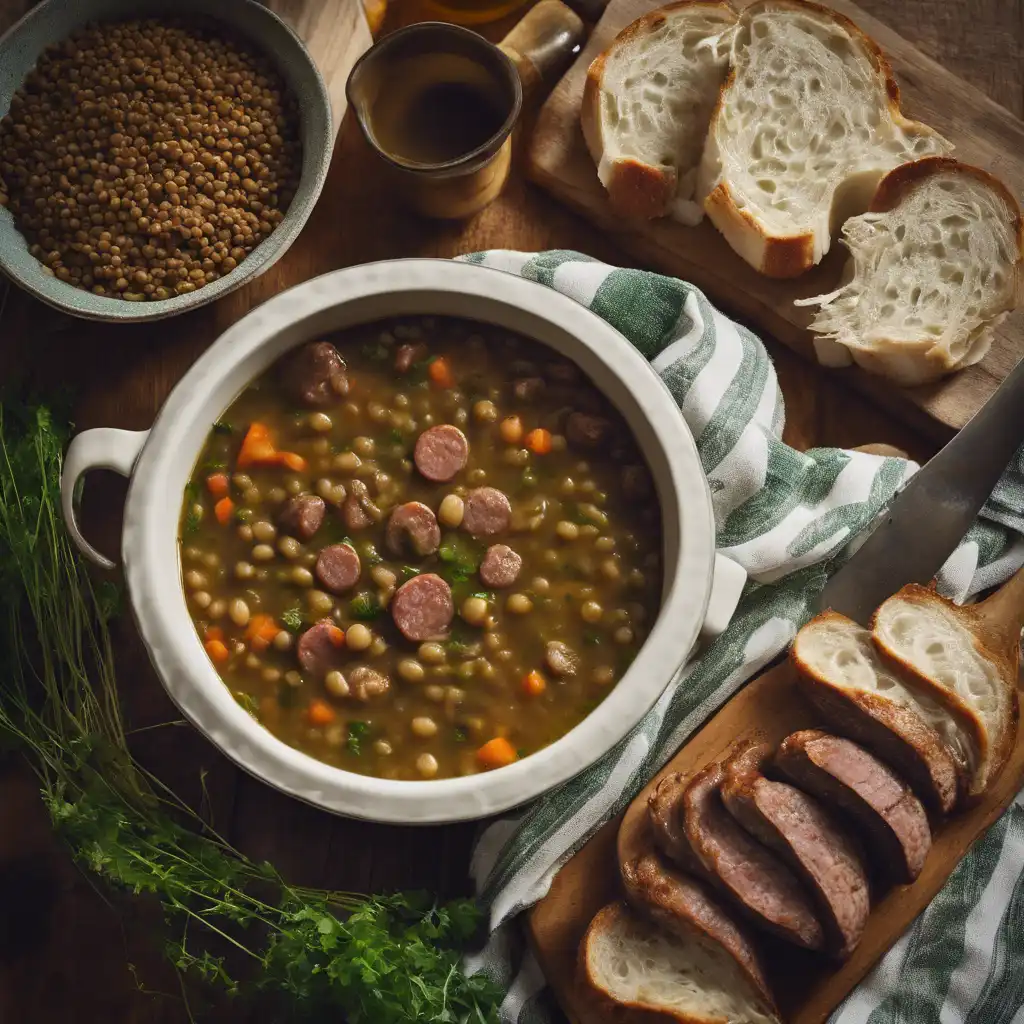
(64, 950)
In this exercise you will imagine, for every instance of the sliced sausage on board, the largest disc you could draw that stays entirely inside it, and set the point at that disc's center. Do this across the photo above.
(500, 566)
(845, 776)
(302, 516)
(808, 838)
(685, 907)
(315, 374)
(412, 530)
(423, 608)
(441, 452)
(693, 828)
(486, 512)
(338, 568)
(321, 649)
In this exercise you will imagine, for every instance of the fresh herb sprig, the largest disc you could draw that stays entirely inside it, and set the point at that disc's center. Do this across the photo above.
(368, 960)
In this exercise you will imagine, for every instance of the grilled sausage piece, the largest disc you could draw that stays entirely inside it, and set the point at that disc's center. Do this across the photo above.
(693, 828)
(315, 374)
(412, 529)
(846, 776)
(682, 905)
(302, 516)
(898, 735)
(321, 649)
(422, 608)
(441, 452)
(338, 568)
(487, 512)
(500, 566)
(801, 831)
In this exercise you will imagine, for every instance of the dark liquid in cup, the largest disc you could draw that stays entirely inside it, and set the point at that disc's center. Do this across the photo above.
(420, 117)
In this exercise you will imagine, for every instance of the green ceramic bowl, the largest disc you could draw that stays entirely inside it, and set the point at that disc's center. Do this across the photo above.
(53, 20)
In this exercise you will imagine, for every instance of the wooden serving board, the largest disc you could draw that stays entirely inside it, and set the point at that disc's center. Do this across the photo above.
(807, 987)
(983, 132)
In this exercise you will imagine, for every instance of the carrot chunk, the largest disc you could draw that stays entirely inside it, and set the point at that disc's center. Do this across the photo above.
(441, 373)
(214, 633)
(257, 447)
(496, 753)
(534, 684)
(261, 631)
(539, 441)
(217, 650)
(336, 636)
(217, 484)
(223, 509)
(290, 460)
(320, 712)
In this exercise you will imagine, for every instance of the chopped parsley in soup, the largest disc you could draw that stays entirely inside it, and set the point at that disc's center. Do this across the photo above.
(421, 548)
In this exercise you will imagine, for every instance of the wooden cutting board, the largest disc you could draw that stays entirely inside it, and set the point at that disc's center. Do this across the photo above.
(983, 132)
(807, 988)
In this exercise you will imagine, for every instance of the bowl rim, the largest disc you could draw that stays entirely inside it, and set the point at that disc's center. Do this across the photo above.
(151, 555)
(239, 15)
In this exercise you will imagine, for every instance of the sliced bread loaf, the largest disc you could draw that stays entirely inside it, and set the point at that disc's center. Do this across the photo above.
(807, 123)
(647, 103)
(939, 646)
(934, 266)
(637, 971)
(843, 675)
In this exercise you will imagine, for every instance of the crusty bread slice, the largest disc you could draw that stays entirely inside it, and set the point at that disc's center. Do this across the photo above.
(647, 103)
(940, 647)
(637, 971)
(843, 675)
(934, 266)
(807, 123)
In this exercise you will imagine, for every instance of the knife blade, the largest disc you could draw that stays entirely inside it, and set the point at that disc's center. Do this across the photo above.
(934, 510)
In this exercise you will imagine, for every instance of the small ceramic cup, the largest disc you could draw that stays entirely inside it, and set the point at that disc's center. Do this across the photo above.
(387, 79)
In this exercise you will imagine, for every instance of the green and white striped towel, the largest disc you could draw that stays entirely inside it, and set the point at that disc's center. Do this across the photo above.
(789, 518)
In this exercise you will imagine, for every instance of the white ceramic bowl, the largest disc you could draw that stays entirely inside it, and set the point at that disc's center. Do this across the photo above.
(160, 461)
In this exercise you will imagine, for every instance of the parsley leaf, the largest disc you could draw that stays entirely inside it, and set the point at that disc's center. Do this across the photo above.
(193, 518)
(248, 703)
(460, 559)
(364, 606)
(356, 732)
(292, 619)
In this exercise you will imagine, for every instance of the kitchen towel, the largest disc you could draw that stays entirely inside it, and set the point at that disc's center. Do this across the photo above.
(789, 518)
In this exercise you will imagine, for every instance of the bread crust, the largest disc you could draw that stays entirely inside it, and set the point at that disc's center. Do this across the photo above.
(993, 752)
(787, 256)
(895, 734)
(612, 1009)
(635, 189)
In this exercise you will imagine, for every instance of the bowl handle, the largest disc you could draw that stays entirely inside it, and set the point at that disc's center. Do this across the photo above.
(102, 448)
(727, 584)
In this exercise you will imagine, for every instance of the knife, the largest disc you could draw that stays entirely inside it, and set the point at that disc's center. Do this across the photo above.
(934, 510)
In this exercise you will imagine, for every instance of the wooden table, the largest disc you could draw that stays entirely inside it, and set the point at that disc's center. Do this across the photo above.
(64, 951)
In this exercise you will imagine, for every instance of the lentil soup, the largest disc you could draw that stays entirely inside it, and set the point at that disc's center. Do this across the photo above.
(421, 548)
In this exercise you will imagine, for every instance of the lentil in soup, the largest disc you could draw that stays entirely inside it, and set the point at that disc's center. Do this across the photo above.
(421, 548)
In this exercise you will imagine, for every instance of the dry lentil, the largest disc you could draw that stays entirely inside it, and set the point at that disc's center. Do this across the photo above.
(145, 159)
